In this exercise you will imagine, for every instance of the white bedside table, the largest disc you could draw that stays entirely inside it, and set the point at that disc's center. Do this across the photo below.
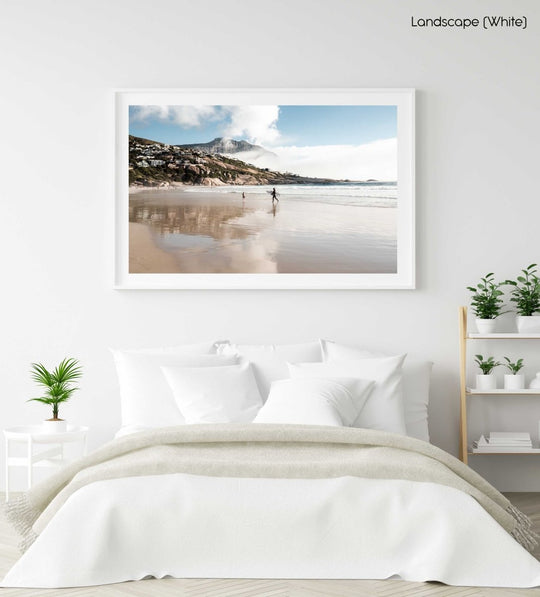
(33, 435)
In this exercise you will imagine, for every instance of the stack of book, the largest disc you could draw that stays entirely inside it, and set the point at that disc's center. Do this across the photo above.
(504, 441)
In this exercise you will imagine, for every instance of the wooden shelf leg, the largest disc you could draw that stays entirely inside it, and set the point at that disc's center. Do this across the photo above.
(463, 384)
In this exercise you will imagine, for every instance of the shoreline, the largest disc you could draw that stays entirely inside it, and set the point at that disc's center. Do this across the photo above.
(179, 186)
(136, 189)
(346, 195)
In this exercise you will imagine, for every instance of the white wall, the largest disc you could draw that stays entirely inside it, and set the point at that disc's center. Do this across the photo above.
(478, 135)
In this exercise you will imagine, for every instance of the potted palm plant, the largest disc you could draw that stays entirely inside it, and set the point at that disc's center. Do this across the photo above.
(514, 380)
(58, 388)
(486, 380)
(486, 303)
(526, 296)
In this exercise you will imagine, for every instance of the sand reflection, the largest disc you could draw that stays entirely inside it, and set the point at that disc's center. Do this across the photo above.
(209, 232)
(197, 219)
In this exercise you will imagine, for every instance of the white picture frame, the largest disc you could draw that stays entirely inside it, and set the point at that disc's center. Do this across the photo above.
(403, 99)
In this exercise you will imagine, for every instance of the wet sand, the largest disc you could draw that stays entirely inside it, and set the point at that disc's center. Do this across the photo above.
(179, 231)
(144, 256)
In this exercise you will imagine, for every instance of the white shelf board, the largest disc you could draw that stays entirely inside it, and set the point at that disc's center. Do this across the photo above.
(505, 451)
(502, 392)
(504, 336)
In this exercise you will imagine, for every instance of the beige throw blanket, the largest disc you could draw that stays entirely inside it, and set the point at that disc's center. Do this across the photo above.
(277, 451)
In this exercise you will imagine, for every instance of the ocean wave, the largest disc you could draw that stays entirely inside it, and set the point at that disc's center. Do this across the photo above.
(367, 194)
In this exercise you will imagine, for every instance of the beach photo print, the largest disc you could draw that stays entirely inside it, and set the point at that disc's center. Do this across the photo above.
(265, 189)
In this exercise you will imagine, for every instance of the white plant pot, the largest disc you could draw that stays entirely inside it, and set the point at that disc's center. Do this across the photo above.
(486, 326)
(50, 426)
(514, 382)
(535, 382)
(486, 382)
(528, 324)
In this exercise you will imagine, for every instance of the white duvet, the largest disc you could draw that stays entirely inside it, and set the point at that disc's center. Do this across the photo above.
(185, 526)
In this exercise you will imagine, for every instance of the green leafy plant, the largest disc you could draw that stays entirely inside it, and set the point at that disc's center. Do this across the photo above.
(58, 383)
(526, 291)
(513, 367)
(486, 300)
(487, 365)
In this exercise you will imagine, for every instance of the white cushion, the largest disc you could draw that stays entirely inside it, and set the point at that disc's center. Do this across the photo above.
(416, 381)
(384, 407)
(315, 401)
(217, 395)
(269, 361)
(145, 397)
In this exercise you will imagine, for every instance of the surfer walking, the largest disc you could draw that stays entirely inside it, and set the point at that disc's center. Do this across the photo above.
(274, 195)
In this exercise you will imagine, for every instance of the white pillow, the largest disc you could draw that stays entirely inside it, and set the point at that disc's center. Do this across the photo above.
(217, 395)
(146, 399)
(269, 361)
(383, 409)
(315, 401)
(416, 381)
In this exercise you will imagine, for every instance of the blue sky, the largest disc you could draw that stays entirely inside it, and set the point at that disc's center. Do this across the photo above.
(353, 142)
(297, 125)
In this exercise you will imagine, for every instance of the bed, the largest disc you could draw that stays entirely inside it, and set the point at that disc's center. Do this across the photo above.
(299, 461)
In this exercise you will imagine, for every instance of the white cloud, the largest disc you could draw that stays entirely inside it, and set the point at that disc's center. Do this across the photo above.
(356, 162)
(257, 124)
(185, 116)
(143, 113)
(193, 116)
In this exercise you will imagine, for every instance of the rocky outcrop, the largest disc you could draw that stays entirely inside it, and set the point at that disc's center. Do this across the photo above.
(154, 164)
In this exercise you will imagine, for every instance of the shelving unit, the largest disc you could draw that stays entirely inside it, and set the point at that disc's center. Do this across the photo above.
(465, 392)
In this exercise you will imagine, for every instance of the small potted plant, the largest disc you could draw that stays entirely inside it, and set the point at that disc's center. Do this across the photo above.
(58, 385)
(526, 296)
(486, 303)
(514, 380)
(486, 380)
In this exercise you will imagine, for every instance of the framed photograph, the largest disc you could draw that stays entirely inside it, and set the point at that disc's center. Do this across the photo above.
(262, 188)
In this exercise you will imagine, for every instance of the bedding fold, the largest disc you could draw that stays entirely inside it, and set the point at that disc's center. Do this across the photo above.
(268, 451)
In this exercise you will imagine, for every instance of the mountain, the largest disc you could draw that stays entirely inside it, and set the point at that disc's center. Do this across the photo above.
(226, 146)
(155, 164)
